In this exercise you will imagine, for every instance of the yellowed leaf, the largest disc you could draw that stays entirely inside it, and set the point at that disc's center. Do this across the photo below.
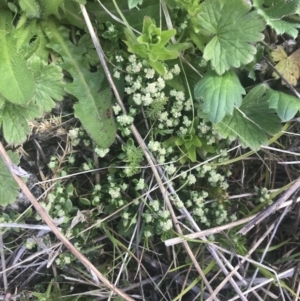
(278, 54)
(287, 66)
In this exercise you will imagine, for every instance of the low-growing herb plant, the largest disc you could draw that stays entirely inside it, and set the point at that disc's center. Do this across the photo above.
(183, 86)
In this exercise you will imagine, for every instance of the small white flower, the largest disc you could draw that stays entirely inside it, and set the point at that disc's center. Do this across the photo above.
(163, 116)
(155, 205)
(85, 166)
(124, 186)
(149, 73)
(154, 146)
(67, 260)
(140, 184)
(147, 99)
(170, 169)
(167, 225)
(147, 234)
(125, 215)
(148, 218)
(119, 58)
(136, 85)
(191, 179)
(180, 96)
(116, 109)
(151, 88)
(161, 83)
(117, 74)
(186, 121)
(188, 105)
(114, 192)
(161, 160)
(125, 119)
(73, 134)
(136, 68)
(176, 69)
(71, 159)
(164, 214)
(137, 98)
(132, 58)
(168, 75)
(101, 152)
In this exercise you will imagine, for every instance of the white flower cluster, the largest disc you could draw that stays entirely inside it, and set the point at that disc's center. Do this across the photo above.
(114, 191)
(76, 134)
(157, 148)
(101, 152)
(265, 196)
(140, 184)
(125, 120)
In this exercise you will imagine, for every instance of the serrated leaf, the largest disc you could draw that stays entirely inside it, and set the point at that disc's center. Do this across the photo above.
(14, 121)
(94, 106)
(49, 84)
(287, 66)
(234, 31)
(16, 84)
(274, 11)
(252, 122)
(9, 189)
(285, 105)
(221, 93)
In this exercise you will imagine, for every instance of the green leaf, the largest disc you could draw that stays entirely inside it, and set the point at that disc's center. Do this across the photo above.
(192, 154)
(285, 105)
(14, 121)
(84, 201)
(134, 3)
(68, 205)
(94, 106)
(72, 13)
(9, 189)
(151, 45)
(220, 94)
(273, 12)
(50, 7)
(48, 83)
(31, 8)
(16, 84)
(252, 121)
(234, 31)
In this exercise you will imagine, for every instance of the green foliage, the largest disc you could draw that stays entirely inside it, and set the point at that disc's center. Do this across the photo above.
(189, 144)
(220, 94)
(273, 12)
(133, 156)
(14, 121)
(93, 107)
(234, 30)
(17, 81)
(285, 105)
(9, 189)
(28, 86)
(49, 84)
(252, 121)
(134, 3)
(151, 45)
